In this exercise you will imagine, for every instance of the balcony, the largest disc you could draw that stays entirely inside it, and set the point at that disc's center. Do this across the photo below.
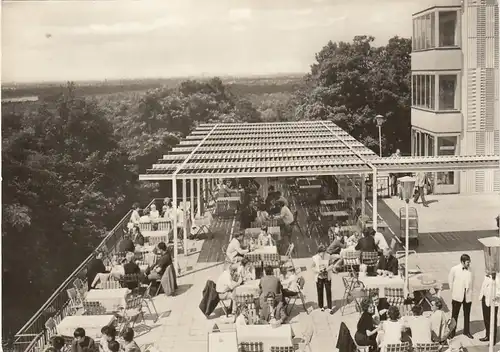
(437, 122)
(437, 60)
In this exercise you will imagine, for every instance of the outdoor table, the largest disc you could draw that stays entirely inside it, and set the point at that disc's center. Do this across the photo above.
(146, 234)
(265, 250)
(334, 213)
(225, 341)
(110, 299)
(229, 199)
(249, 287)
(382, 282)
(269, 336)
(92, 324)
(332, 201)
(273, 230)
(424, 283)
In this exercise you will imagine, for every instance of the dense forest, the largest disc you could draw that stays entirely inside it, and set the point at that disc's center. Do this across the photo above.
(71, 161)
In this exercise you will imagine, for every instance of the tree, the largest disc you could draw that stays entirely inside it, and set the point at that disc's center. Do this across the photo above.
(351, 83)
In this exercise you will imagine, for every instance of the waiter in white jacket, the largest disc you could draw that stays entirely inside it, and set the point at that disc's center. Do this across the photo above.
(485, 298)
(460, 280)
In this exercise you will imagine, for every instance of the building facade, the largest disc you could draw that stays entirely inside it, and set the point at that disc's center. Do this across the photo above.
(455, 89)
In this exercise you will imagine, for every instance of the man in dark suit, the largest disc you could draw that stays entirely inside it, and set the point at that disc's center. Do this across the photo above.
(367, 243)
(273, 310)
(381, 306)
(388, 262)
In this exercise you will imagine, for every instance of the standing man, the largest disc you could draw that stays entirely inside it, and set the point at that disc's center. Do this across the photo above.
(485, 298)
(420, 183)
(460, 280)
(394, 177)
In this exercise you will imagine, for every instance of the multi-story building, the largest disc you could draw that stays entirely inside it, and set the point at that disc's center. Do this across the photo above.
(455, 88)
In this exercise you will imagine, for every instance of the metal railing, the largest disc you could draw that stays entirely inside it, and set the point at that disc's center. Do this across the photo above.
(32, 337)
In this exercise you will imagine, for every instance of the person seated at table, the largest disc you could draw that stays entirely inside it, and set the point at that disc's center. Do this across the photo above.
(247, 215)
(262, 215)
(126, 244)
(286, 218)
(265, 238)
(420, 326)
(269, 284)
(129, 343)
(439, 321)
(336, 245)
(137, 236)
(245, 271)
(381, 306)
(393, 328)
(387, 262)
(366, 332)
(108, 334)
(241, 315)
(96, 266)
(226, 283)
(135, 218)
(289, 284)
(353, 240)
(380, 241)
(273, 310)
(154, 214)
(280, 198)
(234, 251)
(163, 211)
(333, 231)
(367, 243)
(145, 218)
(169, 212)
(156, 272)
(130, 268)
(167, 201)
(271, 196)
(82, 343)
(114, 346)
(56, 344)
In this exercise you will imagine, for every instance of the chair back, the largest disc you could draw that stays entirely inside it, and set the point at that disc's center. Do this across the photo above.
(130, 280)
(73, 294)
(78, 284)
(427, 347)
(50, 325)
(164, 225)
(155, 240)
(369, 258)
(397, 347)
(394, 296)
(351, 257)
(271, 259)
(110, 284)
(289, 250)
(93, 308)
(282, 349)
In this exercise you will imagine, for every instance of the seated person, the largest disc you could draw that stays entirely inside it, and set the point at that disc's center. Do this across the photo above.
(420, 326)
(366, 333)
(126, 244)
(381, 306)
(280, 198)
(114, 346)
(234, 251)
(290, 286)
(380, 240)
(336, 245)
(273, 310)
(82, 343)
(367, 243)
(333, 232)
(56, 343)
(130, 267)
(393, 328)
(387, 262)
(145, 216)
(439, 321)
(137, 236)
(265, 238)
(227, 282)
(353, 240)
(154, 214)
(129, 343)
(241, 316)
(245, 271)
(262, 215)
(108, 334)
(157, 271)
(269, 283)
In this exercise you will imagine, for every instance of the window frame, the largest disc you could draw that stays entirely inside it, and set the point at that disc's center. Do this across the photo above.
(426, 29)
(432, 90)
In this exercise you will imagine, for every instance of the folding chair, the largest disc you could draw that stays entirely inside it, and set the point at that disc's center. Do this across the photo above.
(353, 290)
(314, 224)
(155, 240)
(397, 347)
(295, 222)
(132, 311)
(93, 308)
(146, 226)
(370, 259)
(224, 307)
(351, 260)
(427, 347)
(131, 281)
(288, 254)
(148, 300)
(394, 296)
(50, 327)
(300, 285)
(282, 349)
(75, 302)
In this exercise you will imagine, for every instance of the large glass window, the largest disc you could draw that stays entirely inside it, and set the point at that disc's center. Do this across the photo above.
(446, 146)
(430, 145)
(448, 92)
(423, 31)
(424, 88)
(448, 29)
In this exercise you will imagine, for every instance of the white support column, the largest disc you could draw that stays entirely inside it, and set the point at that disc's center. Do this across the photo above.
(191, 196)
(198, 196)
(204, 191)
(363, 195)
(174, 203)
(374, 201)
(184, 211)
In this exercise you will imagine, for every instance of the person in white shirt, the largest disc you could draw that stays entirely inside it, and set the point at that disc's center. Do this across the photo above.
(226, 284)
(234, 251)
(485, 298)
(265, 238)
(246, 272)
(420, 326)
(153, 213)
(135, 218)
(380, 240)
(169, 212)
(460, 280)
(286, 217)
(180, 220)
(289, 285)
(392, 328)
(241, 316)
(323, 274)
(145, 216)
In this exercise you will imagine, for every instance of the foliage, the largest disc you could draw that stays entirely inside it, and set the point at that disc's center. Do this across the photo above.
(351, 83)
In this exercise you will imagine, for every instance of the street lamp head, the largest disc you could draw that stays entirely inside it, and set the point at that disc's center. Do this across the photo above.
(380, 120)
(407, 185)
(491, 253)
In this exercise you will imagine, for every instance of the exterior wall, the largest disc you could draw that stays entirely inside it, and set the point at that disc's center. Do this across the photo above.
(477, 58)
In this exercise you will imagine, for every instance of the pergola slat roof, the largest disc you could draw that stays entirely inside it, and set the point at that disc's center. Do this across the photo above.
(283, 149)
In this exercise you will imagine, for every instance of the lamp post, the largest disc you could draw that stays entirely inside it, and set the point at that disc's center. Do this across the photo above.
(492, 264)
(380, 121)
(407, 185)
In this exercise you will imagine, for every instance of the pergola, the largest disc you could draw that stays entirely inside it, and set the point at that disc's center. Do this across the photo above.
(285, 149)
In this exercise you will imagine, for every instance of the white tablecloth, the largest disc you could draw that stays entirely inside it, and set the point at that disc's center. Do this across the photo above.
(269, 336)
(110, 299)
(92, 324)
(249, 287)
(222, 341)
(266, 250)
(154, 233)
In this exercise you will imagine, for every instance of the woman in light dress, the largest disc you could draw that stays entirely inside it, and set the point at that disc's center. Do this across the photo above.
(393, 327)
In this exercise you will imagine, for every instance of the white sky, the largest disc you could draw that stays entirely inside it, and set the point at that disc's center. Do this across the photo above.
(96, 40)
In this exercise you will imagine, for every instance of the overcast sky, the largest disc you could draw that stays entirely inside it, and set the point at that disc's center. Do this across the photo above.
(97, 40)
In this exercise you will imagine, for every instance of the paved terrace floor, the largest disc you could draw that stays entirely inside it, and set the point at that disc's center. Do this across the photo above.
(182, 326)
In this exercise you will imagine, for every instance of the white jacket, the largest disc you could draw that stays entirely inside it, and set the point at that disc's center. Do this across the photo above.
(461, 283)
(486, 290)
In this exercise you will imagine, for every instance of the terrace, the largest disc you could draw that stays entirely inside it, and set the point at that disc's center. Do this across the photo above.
(269, 153)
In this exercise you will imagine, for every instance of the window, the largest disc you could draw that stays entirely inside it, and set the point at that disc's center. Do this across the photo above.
(447, 145)
(424, 31)
(447, 92)
(430, 145)
(424, 88)
(448, 31)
